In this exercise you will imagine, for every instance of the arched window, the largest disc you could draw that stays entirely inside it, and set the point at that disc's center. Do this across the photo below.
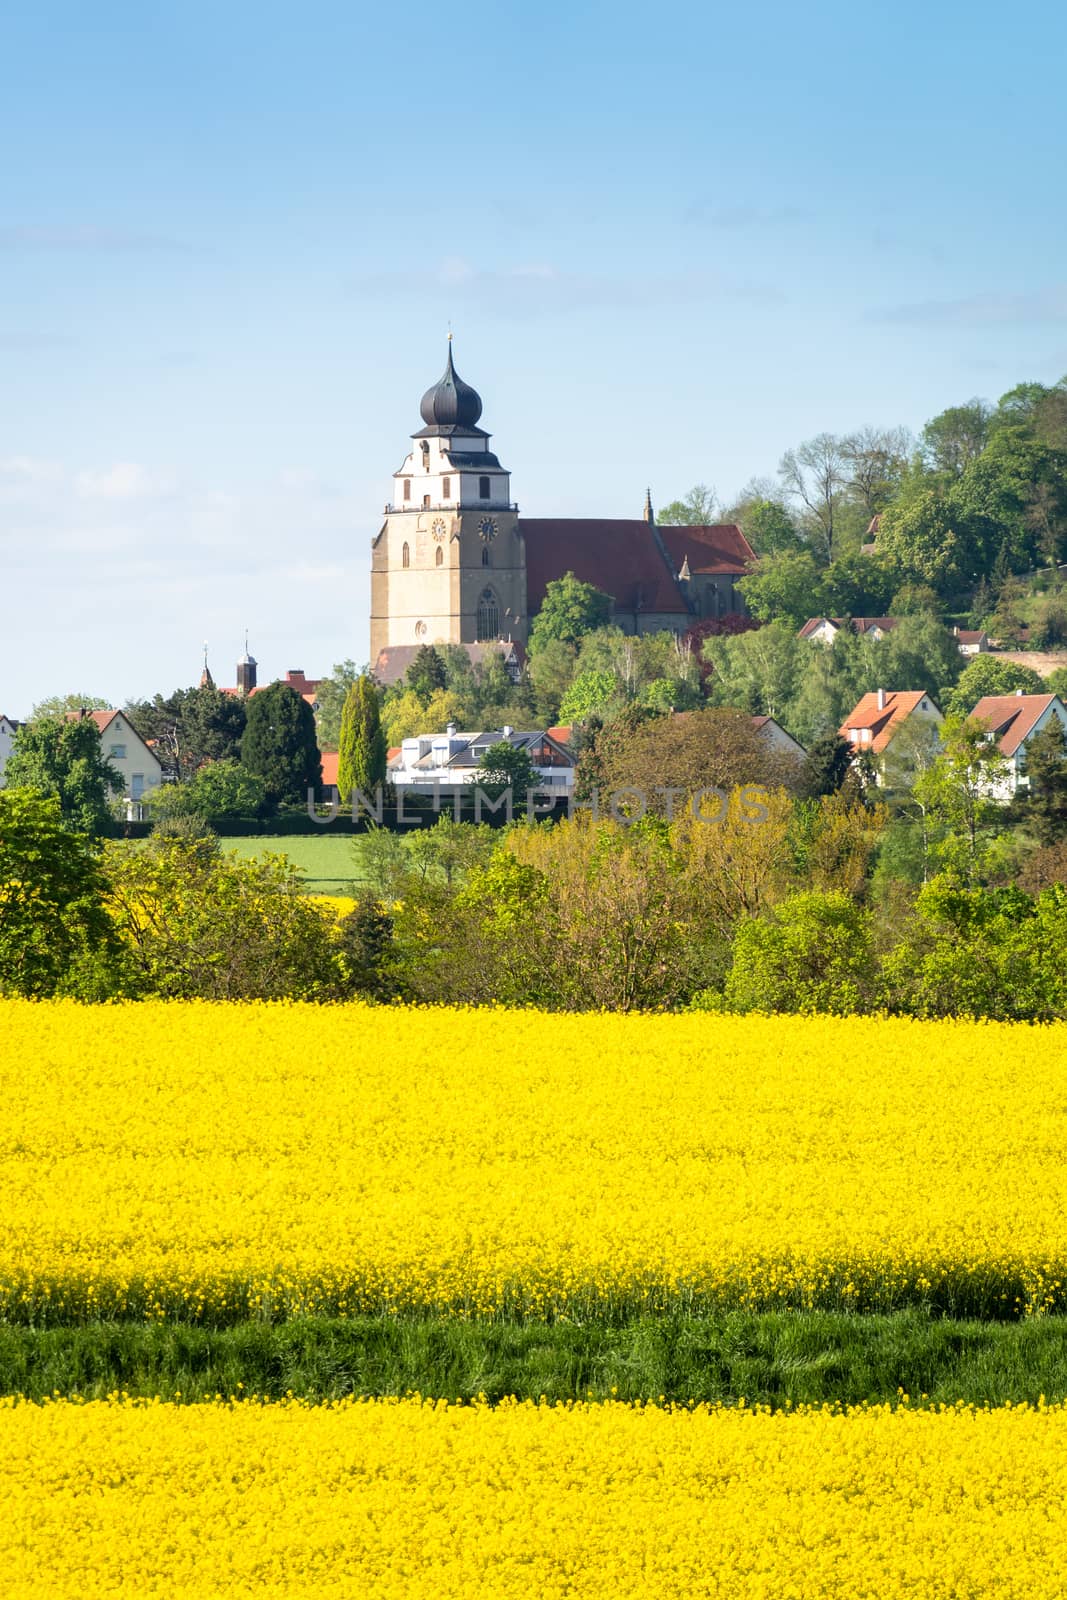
(405, 554)
(407, 488)
(440, 556)
(483, 488)
(485, 558)
(446, 488)
(488, 615)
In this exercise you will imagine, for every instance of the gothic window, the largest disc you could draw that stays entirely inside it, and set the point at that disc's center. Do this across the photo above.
(407, 488)
(446, 488)
(405, 555)
(485, 558)
(488, 615)
(440, 556)
(483, 488)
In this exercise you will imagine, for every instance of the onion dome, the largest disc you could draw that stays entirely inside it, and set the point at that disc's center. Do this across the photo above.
(451, 403)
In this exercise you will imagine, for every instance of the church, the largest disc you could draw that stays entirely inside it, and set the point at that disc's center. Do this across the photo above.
(455, 563)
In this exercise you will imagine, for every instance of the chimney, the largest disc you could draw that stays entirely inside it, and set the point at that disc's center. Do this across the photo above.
(881, 699)
(1020, 691)
(508, 730)
(451, 730)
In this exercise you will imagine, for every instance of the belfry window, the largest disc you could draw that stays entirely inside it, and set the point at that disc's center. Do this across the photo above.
(407, 488)
(485, 558)
(488, 615)
(426, 502)
(483, 488)
(405, 555)
(446, 488)
(440, 556)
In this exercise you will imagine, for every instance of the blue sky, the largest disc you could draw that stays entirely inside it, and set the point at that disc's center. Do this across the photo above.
(672, 242)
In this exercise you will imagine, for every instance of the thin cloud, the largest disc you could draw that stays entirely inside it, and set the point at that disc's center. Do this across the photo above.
(126, 480)
(79, 237)
(533, 289)
(708, 215)
(1046, 305)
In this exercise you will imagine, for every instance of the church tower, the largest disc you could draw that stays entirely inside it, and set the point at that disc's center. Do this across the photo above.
(448, 566)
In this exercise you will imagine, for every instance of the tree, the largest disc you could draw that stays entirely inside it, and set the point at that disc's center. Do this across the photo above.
(550, 671)
(988, 674)
(366, 953)
(219, 789)
(427, 673)
(758, 671)
(918, 652)
(507, 766)
(686, 753)
(812, 953)
(191, 727)
(406, 716)
(815, 474)
(826, 766)
(787, 586)
(920, 537)
(951, 441)
(331, 695)
(55, 934)
(199, 923)
(1045, 801)
(590, 695)
(858, 586)
(569, 610)
(767, 525)
(279, 744)
(361, 755)
(699, 508)
(876, 460)
(63, 760)
(61, 705)
(956, 790)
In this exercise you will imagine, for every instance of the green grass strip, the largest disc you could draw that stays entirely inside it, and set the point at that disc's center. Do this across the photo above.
(773, 1358)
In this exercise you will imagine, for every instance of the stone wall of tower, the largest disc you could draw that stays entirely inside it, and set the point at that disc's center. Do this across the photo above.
(432, 594)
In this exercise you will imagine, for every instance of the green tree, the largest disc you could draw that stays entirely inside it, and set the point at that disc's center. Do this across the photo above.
(767, 525)
(63, 760)
(550, 672)
(787, 587)
(955, 438)
(366, 954)
(427, 673)
(331, 695)
(826, 766)
(590, 695)
(219, 789)
(858, 586)
(62, 705)
(507, 766)
(758, 671)
(55, 934)
(569, 610)
(811, 953)
(699, 508)
(361, 755)
(191, 727)
(406, 716)
(1044, 803)
(815, 475)
(921, 538)
(987, 675)
(956, 790)
(279, 744)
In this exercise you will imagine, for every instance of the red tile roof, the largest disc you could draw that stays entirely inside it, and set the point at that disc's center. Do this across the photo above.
(622, 558)
(101, 718)
(814, 623)
(330, 759)
(561, 734)
(1012, 717)
(719, 547)
(881, 722)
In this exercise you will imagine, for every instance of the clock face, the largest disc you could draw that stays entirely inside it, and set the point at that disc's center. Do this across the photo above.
(487, 528)
(438, 529)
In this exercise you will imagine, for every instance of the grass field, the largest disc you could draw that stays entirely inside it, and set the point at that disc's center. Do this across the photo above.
(328, 863)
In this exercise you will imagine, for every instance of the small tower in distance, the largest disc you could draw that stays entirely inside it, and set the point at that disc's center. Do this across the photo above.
(246, 672)
(648, 515)
(206, 680)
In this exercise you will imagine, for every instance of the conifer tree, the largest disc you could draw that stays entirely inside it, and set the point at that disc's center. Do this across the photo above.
(361, 750)
(280, 745)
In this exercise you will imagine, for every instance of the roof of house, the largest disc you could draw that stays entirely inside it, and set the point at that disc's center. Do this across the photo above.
(882, 722)
(1012, 717)
(470, 747)
(393, 662)
(717, 547)
(813, 625)
(864, 624)
(561, 733)
(970, 635)
(101, 718)
(330, 759)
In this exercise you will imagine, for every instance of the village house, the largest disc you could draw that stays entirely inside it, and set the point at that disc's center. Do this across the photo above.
(7, 736)
(122, 746)
(1013, 720)
(826, 629)
(971, 641)
(878, 719)
(781, 742)
(433, 762)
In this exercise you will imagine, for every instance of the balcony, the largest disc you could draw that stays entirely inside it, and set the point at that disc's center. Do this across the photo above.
(450, 506)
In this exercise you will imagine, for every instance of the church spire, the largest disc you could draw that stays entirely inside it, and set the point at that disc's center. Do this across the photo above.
(206, 680)
(648, 515)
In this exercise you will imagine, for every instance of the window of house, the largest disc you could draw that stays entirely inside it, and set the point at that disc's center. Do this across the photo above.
(483, 488)
(488, 615)
(407, 488)
(117, 752)
(137, 786)
(440, 556)
(405, 554)
(446, 488)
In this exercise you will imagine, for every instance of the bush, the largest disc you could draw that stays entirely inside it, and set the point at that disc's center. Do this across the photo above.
(813, 953)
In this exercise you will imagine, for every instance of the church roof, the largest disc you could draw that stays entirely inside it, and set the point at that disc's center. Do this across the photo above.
(625, 559)
(473, 460)
(451, 403)
(718, 547)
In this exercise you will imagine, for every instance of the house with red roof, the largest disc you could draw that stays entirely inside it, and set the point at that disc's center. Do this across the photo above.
(826, 629)
(1013, 720)
(879, 718)
(120, 744)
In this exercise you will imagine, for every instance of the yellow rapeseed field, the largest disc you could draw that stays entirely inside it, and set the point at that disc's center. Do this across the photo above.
(412, 1499)
(224, 1159)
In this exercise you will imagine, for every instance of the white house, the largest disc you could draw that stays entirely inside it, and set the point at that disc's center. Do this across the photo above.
(878, 718)
(431, 762)
(781, 742)
(123, 747)
(826, 629)
(1013, 720)
(971, 641)
(7, 735)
